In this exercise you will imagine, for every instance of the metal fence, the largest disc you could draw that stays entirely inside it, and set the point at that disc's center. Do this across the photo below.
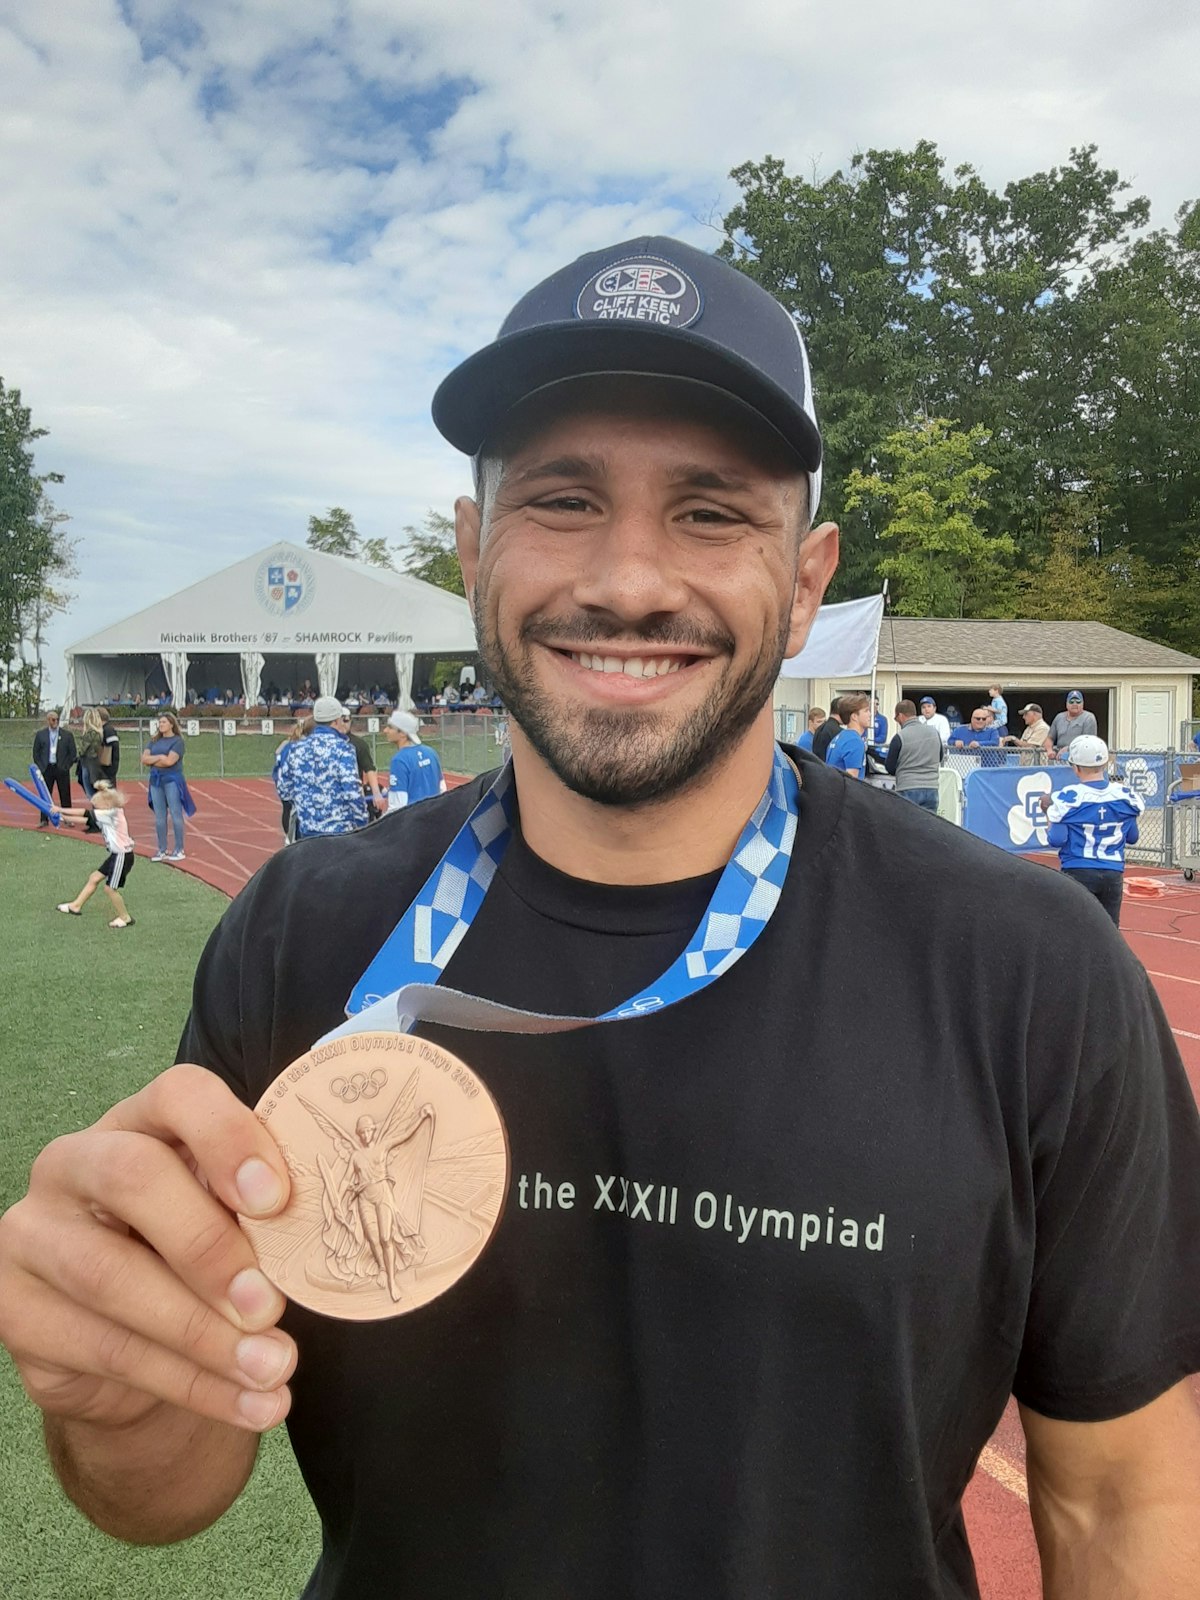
(244, 747)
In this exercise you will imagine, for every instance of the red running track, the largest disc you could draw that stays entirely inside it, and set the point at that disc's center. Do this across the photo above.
(236, 828)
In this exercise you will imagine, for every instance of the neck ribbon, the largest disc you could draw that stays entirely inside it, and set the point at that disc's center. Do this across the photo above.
(396, 988)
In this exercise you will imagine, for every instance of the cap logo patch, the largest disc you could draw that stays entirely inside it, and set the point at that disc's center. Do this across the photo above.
(640, 290)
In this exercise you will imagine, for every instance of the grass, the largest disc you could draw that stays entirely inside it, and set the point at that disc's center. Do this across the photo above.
(467, 745)
(88, 1016)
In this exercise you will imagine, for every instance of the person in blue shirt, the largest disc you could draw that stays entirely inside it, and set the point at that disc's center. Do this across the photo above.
(848, 752)
(879, 725)
(1196, 739)
(1091, 822)
(319, 775)
(979, 734)
(999, 707)
(415, 772)
(816, 717)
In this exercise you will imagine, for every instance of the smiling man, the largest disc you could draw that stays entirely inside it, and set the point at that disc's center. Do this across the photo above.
(759, 1295)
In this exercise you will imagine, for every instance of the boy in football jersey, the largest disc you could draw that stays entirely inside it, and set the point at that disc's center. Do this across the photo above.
(1092, 821)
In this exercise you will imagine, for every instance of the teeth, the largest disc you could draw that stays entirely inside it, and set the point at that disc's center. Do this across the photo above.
(633, 667)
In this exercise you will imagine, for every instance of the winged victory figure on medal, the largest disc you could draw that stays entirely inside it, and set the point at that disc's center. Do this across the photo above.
(373, 1191)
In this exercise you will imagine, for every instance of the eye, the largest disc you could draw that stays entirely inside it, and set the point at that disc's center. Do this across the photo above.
(571, 503)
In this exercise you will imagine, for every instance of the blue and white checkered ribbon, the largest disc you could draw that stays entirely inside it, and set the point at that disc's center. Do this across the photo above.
(419, 948)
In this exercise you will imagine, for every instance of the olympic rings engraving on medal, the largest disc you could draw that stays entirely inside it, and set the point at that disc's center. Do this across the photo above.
(358, 1086)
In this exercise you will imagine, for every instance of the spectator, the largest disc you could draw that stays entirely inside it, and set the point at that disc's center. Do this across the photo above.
(89, 768)
(931, 714)
(1196, 738)
(878, 724)
(364, 758)
(848, 752)
(1091, 822)
(978, 734)
(1035, 735)
(169, 794)
(302, 728)
(53, 756)
(816, 717)
(829, 730)
(110, 748)
(319, 775)
(416, 772)
(914, 757)
(999, 706)
(1073, 723)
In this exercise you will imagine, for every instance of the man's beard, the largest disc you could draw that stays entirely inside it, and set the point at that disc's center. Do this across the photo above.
(627, 757)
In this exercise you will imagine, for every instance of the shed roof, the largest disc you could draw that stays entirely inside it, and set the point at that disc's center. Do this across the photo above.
(1008, 646)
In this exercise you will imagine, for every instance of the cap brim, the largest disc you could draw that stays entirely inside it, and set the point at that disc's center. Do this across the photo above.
(470, 403)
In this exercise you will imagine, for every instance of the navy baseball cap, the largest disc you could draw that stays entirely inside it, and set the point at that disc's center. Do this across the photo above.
(649, 306)
(1074, 695)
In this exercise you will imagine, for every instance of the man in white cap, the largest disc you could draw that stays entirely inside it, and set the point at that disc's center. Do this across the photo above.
(758, 1296)
(1092, 821)
(319, 775)
(415, 772)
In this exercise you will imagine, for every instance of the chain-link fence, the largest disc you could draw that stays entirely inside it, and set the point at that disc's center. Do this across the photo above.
(244, 747)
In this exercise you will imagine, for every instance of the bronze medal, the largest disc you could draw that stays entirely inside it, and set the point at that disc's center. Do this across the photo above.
(399, 1166)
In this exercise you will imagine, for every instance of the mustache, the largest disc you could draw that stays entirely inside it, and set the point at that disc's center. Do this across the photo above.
(671, 632)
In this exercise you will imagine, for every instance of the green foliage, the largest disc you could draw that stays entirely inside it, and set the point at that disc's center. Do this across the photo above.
(926, 505)
(36, 557)
(1041, 313)
(431, 553)
(334, 534)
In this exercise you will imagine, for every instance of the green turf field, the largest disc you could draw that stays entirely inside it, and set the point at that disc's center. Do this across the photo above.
(464, 744)
(117, 1002)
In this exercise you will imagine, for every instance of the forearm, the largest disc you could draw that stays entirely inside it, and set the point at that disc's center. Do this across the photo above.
(1145, 1553)
(156, 1481)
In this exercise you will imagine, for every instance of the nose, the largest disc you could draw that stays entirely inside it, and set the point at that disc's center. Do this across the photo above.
(628, 567)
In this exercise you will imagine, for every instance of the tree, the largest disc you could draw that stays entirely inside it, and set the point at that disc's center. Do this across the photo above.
(431, 553)
(35, 557)
(926, 508)
(334, 534)
(922, 292)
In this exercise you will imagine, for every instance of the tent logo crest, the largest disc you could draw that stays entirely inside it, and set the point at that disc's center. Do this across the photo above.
(284, 584)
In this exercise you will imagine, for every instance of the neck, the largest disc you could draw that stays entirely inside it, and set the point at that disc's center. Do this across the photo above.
(683, 835)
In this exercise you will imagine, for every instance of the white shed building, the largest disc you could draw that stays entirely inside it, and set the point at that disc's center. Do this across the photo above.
(1140, 692)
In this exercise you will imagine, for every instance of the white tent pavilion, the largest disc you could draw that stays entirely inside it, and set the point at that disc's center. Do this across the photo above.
(281, 614)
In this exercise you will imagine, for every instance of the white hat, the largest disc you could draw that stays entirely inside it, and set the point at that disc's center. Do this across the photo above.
(1087, 751)
(405, 722)
(328, 709)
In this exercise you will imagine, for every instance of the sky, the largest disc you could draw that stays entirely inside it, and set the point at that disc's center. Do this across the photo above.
(243, 242)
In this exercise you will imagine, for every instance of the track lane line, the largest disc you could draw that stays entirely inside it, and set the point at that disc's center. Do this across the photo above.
(1003, 1472)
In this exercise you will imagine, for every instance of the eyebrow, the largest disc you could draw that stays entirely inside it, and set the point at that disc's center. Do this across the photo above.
(689, 474)
(560, 467)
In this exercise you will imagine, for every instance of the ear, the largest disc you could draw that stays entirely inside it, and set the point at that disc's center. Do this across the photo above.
(466, 537)
(815, 566)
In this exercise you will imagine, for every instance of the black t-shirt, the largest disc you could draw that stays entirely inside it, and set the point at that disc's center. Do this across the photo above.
(825, 735)
(758, 1297)
(111, 742)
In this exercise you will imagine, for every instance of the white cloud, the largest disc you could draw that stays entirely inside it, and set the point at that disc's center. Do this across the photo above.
(244, 241)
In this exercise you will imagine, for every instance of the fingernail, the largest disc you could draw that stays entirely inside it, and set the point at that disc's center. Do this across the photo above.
(259, 1410)
(252, 1296)
(263, 1360)
(258, 1186)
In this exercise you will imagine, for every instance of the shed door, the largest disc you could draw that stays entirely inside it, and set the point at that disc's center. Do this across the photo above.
(1152, 719)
